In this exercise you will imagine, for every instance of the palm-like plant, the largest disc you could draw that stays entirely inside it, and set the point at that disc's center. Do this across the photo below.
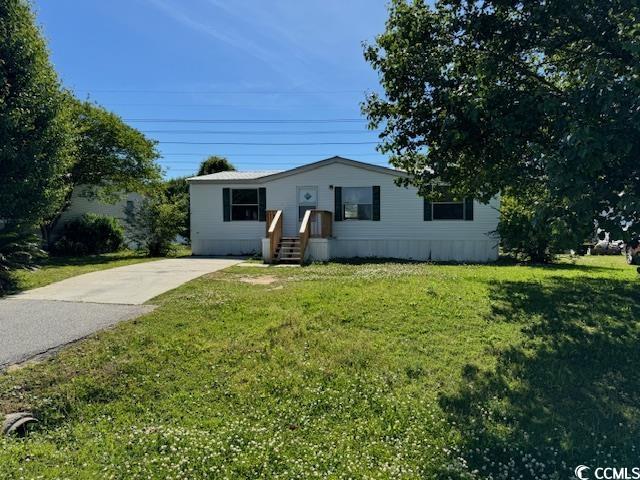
(18, 249)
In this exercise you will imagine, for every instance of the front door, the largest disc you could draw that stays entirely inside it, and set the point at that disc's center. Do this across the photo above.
(307, 200)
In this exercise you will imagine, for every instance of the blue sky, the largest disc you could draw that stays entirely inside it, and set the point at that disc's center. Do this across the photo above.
(224, 60)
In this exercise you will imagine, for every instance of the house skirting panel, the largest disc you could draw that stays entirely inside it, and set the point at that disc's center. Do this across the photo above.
(322, 249)
(416, 249)
(226, 247)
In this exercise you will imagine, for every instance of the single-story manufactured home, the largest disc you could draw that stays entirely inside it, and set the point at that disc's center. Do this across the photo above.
(335, 208)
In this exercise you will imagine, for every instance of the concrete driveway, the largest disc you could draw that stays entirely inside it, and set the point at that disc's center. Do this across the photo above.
(130, 285)
(47, 318)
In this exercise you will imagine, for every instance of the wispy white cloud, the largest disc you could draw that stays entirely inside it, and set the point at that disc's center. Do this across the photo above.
(277, 61)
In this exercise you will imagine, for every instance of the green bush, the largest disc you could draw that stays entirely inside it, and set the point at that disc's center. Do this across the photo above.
(19, 249)
(531, 229)
(90, 234)
(154, 225)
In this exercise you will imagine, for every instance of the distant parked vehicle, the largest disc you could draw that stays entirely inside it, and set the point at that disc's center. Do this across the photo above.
(632, 251)
(607, 247)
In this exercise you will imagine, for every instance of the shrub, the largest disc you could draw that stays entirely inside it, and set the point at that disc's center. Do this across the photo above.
(154, 225)
(177, 191)
(90, 234)
(531, 230)
(18, 249)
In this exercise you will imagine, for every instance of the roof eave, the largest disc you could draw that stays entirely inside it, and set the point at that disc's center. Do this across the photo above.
(306, 168)
(220, 180)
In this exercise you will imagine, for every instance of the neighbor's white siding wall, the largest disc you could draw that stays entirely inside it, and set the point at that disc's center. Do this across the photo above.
(401, 231)
(81, 205)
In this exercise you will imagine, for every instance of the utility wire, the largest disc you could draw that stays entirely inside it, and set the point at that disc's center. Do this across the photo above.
(219, 105)
(225, 92)
(232, 155)
(269, 121)
(261, 132)
(268, 144)
(197, 164)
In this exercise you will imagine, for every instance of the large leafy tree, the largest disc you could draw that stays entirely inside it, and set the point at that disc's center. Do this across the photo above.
(111, 158)
(35, 133)
(517, 97)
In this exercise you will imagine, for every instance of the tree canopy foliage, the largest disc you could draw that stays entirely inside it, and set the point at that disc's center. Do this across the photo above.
(35, 131)
(517, 97)
(215, 164)
(112, 157)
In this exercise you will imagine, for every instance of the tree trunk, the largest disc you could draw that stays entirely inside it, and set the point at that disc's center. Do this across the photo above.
(48, 226)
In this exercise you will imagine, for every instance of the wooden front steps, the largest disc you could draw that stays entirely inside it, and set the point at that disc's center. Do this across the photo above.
(288, 250)
(292, 249)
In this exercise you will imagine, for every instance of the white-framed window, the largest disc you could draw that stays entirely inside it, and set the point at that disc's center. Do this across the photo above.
(448, 207)
(244, 204)
(357, 203)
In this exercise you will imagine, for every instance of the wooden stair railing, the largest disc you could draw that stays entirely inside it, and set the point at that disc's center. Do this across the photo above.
(312, 228)
(274, 232)
(322, 228)
(305, 232)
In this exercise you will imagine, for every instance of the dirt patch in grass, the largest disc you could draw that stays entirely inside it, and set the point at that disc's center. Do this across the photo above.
(261, 280)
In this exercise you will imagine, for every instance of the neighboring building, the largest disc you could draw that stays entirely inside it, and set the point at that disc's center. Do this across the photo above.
(80, 205)
(335, 208)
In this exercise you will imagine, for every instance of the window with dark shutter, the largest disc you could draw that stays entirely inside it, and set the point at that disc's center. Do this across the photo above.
(262, 204)
(337, 207)
(357, 203)
(427, 213)
(468, 209)
(226, 204)
(244, 204)
(376, 203)
(447, 207)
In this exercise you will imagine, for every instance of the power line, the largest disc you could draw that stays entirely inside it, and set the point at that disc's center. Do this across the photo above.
(241, 162)
(261, 132)
(268, 144)
(271, 121)
(231, 155)
(217, 105)
(225, 92)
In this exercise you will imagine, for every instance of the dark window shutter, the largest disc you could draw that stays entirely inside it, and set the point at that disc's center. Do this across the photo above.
(427, 214)
(262, 204)
(226, 204)
(376, 203)
(468, 208)
(337, 210)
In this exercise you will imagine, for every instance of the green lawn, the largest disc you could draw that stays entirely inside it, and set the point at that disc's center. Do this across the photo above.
(54, 269)
(378, 370)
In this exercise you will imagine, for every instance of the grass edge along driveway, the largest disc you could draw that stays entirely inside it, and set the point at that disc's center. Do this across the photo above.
(348, 371)
(54, 269)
